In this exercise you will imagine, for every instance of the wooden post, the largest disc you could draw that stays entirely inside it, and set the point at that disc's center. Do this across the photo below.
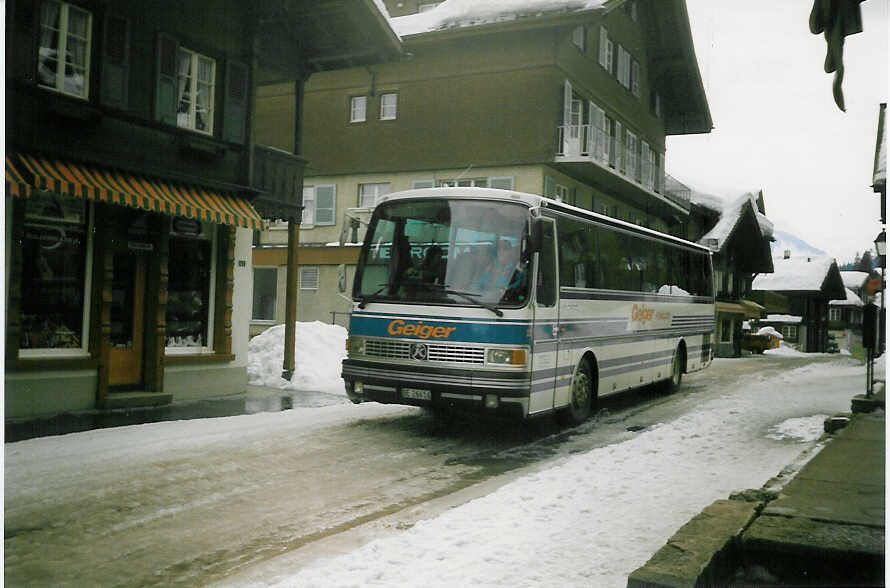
(290, 310)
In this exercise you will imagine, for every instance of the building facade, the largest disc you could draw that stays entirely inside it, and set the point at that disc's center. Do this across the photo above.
(135, 185)
(571, 103)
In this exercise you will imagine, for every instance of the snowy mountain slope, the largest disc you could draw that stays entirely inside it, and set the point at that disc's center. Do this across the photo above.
(798, 247)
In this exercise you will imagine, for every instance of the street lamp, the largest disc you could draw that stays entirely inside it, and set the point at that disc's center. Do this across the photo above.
(881, 247)
(877, 343)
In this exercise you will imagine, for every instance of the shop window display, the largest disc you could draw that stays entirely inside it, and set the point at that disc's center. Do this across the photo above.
(189, 289)
(54, 248)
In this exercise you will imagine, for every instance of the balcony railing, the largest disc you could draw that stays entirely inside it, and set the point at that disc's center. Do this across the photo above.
(587, 142)
(279, 176)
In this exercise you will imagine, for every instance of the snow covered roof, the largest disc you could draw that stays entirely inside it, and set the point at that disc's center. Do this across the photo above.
(730, 216)
(709, 201)
(853, 279)
(782, 318)
(851, 300)
(452, 14)
(802, 274)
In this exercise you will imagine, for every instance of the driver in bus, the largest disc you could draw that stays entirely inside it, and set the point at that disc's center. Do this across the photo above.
(503, 271)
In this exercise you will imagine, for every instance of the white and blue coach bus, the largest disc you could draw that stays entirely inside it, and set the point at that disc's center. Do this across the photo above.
(513, 303)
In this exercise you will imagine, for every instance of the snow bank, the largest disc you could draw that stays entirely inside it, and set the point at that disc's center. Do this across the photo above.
(770, 331)
(787, 351)
(318, 351)
(802, 429)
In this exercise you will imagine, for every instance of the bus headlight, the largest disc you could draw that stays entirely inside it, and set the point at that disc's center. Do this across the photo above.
(506, 356)
(355, 345)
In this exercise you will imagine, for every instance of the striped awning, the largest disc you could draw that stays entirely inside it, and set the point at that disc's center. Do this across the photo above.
(15, 182)
(103, 184)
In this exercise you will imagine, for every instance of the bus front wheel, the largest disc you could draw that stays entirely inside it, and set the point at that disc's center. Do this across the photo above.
(581, 396)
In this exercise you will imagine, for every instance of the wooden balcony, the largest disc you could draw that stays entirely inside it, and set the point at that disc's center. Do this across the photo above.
(278, 176)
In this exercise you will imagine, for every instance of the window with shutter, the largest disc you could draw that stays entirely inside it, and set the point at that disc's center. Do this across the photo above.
(635, 78)
(617, 151)
(423, 184)
(63, 58)
(605, 53)
(578, 37)
(645, 165)
(115, 62)
(623, 67)
(325, 204)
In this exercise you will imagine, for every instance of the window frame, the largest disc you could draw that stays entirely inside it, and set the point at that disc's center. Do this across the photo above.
(579, 38)
(62, 49)
(606, 50)
(195, 61)
(384, 107)
(84, 350)
(254, 319)
(353, 116)
(209, 346)
(377, 195)
(635, 80)
(624, 60)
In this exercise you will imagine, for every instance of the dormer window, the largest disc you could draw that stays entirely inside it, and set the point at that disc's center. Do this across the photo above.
(63, 59)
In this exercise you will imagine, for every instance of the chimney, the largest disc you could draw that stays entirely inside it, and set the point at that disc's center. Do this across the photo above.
(787, 254)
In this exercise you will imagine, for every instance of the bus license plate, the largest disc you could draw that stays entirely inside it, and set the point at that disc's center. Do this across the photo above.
(416, 394)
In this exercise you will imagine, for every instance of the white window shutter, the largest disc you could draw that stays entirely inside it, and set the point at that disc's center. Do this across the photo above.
(308, 205)
(645, 164)
(567, 104)
(617, 150)
(501, 183)
(423, 184)
(605, 56)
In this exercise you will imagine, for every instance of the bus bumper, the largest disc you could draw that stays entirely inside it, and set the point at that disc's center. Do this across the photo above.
(494, 392)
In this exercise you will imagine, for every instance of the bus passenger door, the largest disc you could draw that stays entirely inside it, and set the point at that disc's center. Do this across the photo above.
(546, 320)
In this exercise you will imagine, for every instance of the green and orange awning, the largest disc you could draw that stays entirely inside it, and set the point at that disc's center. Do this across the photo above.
(25, 173)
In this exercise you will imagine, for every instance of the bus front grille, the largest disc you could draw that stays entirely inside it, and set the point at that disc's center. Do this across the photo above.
(437, 353)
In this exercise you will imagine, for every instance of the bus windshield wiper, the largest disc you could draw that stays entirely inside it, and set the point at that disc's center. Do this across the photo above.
(369, 297)
(470, 297)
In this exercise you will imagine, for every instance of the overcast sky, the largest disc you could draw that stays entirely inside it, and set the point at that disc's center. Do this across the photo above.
(776, 126)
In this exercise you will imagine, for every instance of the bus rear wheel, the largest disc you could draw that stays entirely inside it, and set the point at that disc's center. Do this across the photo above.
(673, 383)
(581, 396)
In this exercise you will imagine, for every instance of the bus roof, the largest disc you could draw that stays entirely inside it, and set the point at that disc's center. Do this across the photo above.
(533, 201)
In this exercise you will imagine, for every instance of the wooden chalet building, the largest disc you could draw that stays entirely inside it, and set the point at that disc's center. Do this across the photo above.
(739, 235)
(567, 101)
(797, 294)
(135, 183)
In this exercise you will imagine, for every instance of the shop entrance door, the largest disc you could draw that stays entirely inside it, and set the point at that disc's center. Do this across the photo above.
(127, 319)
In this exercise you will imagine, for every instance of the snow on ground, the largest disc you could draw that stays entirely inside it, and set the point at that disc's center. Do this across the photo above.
(787, 351)
(318, 351)
(594, 517)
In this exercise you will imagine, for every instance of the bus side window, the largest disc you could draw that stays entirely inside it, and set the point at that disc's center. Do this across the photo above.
(546, 286)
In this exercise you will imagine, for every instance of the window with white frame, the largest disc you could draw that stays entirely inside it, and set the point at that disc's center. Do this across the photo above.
(834, 314)
(605, 53)
(617, 160)
(623, 67)
(309, 278)
(63, 58)
(789, 332)
(561, 193)
(196, 78)
(635, 78)
(319, 205)
(464, 183)
(417, 184)
(369, 194)
(645, 164)
(265, 292)
(389, 106)
(358, 109)
(579, 35)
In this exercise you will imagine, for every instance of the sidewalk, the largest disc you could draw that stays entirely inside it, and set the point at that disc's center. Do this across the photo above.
(825, 527)
(253, 400)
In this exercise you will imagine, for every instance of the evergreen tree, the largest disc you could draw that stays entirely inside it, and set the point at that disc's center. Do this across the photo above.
(864, 264)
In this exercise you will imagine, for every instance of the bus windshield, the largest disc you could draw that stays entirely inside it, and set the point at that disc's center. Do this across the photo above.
(465, 252)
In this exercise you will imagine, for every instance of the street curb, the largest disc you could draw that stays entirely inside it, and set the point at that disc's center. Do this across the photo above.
(704, 550)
